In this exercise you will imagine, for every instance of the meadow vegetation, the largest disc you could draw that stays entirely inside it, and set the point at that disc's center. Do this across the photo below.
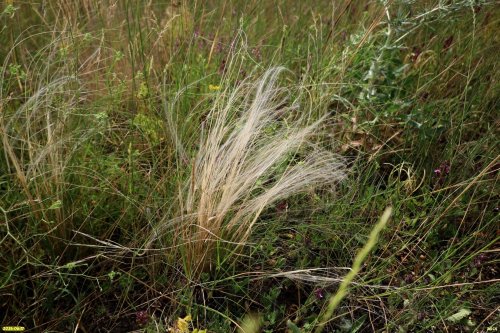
(221, 166)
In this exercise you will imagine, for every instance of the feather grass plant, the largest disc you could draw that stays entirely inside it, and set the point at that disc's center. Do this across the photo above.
(243, 166)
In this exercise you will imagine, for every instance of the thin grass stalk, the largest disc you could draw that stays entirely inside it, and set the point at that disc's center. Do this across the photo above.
(356, 267)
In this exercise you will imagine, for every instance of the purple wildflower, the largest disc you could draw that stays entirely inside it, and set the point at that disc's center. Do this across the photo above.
(409, 278)
(319, 293)
(443, 170)
(142, 317)
(479, 260)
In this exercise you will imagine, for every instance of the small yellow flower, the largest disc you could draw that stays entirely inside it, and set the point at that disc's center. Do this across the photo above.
(183, 324)
(212, 87)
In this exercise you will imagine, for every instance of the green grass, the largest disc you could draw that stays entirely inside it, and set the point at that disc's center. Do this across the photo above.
(107, 109)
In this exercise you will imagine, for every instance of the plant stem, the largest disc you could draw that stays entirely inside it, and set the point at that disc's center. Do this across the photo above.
(356, 267)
